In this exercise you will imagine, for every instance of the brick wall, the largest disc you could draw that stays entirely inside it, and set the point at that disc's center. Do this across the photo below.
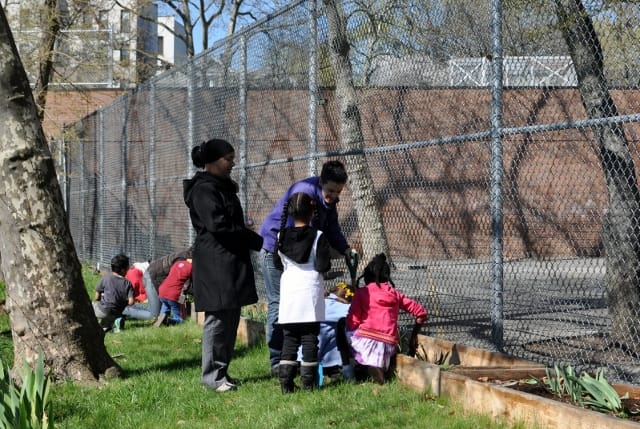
(67, 106)
(435, 200)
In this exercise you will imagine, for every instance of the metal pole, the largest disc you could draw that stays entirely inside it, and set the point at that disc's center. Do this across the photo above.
(124, 233)
(110, 54)
(83, 195)
(313, 89)
(152, 174)
(65, 173)
(61, 170)
(190, 134)
(243, 124)
(496, 179)
(101, 190)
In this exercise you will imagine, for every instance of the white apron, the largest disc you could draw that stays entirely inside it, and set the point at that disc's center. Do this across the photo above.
(301, 290)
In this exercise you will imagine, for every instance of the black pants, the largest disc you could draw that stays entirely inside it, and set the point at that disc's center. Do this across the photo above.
(300, 334)
(341, 341)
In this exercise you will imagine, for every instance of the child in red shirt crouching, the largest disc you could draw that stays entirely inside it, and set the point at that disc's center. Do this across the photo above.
(172, 293)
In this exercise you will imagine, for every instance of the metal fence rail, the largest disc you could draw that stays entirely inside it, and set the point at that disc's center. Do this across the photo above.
(486, 167)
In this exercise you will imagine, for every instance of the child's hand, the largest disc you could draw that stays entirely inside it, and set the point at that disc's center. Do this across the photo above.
(421, 320)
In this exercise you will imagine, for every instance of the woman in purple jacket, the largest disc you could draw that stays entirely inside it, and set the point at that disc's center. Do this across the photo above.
(325, 190)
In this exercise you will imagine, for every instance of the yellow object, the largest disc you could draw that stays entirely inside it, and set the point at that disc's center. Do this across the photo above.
(347, 290)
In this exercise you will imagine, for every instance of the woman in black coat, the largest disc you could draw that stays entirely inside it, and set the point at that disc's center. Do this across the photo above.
(223, 279)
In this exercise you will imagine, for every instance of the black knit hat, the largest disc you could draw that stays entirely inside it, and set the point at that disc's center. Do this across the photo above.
(210, 151)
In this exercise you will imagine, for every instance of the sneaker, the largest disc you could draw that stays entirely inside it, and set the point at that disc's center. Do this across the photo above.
(226, 387)
(160, 320)
(118, 325)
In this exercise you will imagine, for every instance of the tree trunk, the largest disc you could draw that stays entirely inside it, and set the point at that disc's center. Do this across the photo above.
(48, 306)
(620, 224)
(374, 239)
(51, 28)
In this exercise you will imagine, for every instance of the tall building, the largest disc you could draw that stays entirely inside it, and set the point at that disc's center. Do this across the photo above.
(103, 43)
(172, 50)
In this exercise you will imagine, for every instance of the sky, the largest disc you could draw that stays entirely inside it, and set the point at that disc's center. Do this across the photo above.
(220, 26)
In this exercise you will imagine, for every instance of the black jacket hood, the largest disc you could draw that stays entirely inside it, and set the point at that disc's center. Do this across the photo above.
(297, 243)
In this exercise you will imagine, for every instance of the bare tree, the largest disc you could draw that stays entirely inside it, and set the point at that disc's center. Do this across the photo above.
(208, 13)
(51, 29)
(374, 239)
(622, 222)
(48, 306)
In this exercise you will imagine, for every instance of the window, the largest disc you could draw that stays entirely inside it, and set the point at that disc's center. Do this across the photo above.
(160, 45)
(125, 21)
(103, 19)
(87, 19)
(124, 56)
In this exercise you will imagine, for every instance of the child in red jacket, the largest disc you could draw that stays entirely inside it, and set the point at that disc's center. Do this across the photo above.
(372, 321)
(172, 292)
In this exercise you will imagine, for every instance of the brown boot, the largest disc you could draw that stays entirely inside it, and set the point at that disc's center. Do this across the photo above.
(376, 374)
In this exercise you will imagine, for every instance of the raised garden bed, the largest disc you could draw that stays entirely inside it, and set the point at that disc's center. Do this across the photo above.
(492, 383)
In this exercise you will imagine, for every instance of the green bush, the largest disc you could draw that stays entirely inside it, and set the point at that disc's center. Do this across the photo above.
(27, 407)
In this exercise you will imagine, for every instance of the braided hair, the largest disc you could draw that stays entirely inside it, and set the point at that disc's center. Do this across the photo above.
(378, 271)
(301, 207)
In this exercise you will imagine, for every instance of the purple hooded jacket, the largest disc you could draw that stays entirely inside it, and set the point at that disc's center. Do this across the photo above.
(327, 221)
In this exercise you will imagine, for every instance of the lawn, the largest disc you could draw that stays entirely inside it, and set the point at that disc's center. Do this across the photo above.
(162, 390)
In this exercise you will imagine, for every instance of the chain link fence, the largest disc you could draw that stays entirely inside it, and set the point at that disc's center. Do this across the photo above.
(507, 191)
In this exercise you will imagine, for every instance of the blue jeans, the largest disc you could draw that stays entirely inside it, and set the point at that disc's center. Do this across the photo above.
(272, 283)
(138, 312)
(152, 294)
(173, 307)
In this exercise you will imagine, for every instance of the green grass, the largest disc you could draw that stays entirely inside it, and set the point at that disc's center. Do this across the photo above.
(162, 390)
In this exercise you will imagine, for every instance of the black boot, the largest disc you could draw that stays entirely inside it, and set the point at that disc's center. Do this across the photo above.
(287, 373)
(308, 374)
(376, 374)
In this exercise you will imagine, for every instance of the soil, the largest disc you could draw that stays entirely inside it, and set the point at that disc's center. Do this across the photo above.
(631, 405)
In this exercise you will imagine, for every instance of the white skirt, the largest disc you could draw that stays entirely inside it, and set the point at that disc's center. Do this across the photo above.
(371, 352)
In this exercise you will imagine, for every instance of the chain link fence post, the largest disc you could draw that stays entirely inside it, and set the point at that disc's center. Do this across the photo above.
(496, 178)
(153, 222)
(83, 196)
(124, 230)
(313, 89)
(242, 126)
(191, 81)
(101, 187)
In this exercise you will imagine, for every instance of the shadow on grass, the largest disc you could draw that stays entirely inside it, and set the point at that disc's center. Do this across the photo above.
(174, 365)
(181, 364)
